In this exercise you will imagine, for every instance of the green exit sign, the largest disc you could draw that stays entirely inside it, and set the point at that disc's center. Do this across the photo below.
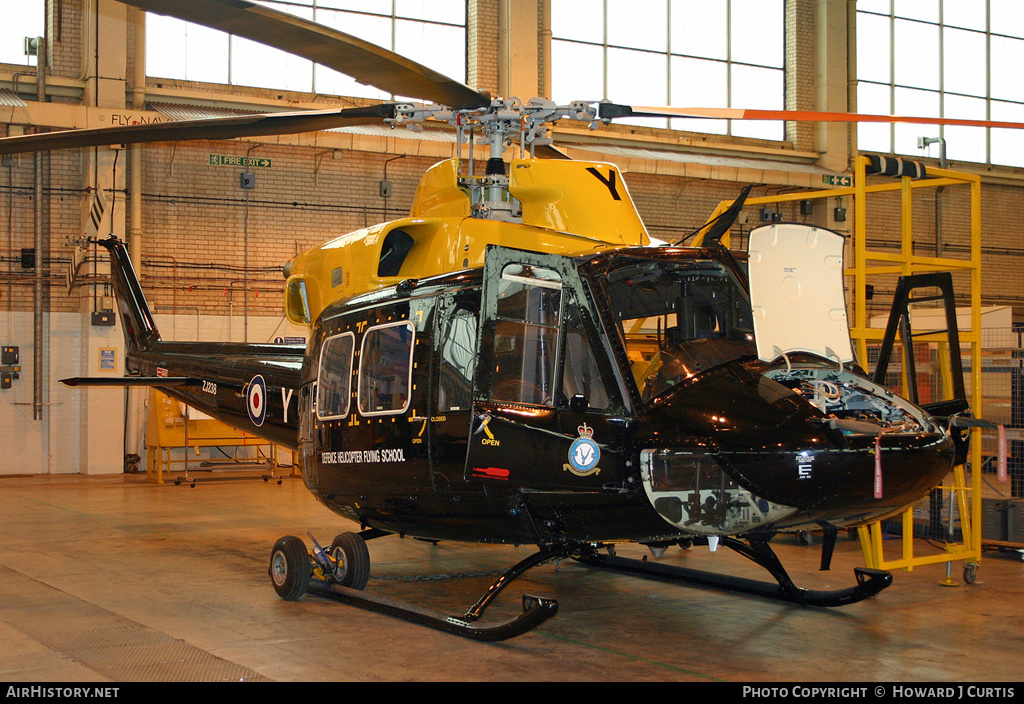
(225, 160)
(837, 180)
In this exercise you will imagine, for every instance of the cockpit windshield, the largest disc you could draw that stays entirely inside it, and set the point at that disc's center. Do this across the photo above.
(679, 317)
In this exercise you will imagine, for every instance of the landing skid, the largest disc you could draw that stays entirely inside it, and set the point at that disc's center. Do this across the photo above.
(341, 571)
(536, 610)
(328, 573)
(869, 581)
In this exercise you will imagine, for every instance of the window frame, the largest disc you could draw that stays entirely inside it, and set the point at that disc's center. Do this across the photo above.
(319, 376)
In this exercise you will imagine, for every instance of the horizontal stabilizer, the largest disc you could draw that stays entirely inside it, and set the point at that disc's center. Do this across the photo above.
(130, 381)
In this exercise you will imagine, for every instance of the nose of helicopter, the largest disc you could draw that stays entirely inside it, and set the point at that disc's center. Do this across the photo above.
(845, 478)
(801, 465)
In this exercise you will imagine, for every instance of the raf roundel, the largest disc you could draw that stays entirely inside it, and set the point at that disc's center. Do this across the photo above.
(256, 400)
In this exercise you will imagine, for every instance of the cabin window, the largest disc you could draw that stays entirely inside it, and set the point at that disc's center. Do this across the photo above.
(385, 369)
(526, 335)
(458, 356)
(334, 379)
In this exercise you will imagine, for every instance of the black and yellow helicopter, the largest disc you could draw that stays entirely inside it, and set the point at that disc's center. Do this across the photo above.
(518, 362)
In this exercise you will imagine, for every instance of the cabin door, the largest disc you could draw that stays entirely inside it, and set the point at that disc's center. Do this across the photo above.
(540, 400)
(456, 318)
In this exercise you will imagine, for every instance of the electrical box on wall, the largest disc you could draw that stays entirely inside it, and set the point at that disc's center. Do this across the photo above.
(9, 369)
(104, 318)
(247, 180)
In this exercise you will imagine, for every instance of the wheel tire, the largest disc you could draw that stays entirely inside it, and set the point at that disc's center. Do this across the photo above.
(290, 568)
(353, 559)
(970, 572)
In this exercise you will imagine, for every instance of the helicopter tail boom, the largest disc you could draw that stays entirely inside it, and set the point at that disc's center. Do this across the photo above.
(250, 387)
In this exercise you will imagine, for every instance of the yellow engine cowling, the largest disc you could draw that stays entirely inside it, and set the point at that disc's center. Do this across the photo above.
(568, 207)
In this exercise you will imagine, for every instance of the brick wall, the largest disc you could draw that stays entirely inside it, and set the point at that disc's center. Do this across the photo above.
(482, 46)
(64, 29)
(200, 223)
(800, 70)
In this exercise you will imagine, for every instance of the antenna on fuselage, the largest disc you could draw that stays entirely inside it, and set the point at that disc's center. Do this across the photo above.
(724, 222)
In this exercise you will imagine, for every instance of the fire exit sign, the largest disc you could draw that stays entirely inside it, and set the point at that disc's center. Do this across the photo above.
(225, 160)
(837, 180)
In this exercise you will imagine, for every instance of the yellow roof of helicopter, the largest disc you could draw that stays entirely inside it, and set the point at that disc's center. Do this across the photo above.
(567, 207)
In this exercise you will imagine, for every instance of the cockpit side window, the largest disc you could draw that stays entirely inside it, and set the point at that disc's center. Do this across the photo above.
(581, 374)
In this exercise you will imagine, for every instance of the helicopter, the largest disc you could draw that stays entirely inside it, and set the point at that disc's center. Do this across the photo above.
(519, 362)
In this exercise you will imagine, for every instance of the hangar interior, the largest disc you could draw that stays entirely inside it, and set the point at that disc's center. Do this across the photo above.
(210, 224)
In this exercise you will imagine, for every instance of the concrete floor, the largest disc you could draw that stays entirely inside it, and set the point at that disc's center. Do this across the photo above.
(112, 579)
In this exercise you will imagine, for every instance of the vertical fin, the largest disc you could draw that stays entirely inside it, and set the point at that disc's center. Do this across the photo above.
(140, 331)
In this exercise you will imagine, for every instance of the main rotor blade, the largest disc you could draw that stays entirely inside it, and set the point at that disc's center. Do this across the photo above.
(614, 111)
(211, 128)
(365, 62)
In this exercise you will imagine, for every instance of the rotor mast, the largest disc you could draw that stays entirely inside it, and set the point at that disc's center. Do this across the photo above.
(499, 125)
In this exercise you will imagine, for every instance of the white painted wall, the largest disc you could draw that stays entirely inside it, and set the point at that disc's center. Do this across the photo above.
(82, 429)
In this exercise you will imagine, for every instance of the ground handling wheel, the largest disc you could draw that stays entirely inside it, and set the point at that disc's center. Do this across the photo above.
(290, 568)
(352, 560)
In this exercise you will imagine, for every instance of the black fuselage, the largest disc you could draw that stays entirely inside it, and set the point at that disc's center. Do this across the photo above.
(422, 433)
(551, 400)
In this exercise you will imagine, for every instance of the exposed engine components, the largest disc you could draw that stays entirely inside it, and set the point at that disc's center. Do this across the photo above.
(853, 404)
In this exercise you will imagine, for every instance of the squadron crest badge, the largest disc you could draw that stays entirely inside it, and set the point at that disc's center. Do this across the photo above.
(584, 453)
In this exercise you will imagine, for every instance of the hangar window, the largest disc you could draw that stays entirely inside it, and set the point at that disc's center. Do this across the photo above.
(941, 59)
(27, 21)
(431, 33)
(334, 378)
(717, 54)
(385, 369)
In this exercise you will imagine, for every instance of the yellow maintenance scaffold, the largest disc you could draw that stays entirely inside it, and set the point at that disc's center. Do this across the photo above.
(961, 494)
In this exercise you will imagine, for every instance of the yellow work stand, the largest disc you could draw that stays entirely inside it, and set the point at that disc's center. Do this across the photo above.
(903, 262)
(171, 425)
